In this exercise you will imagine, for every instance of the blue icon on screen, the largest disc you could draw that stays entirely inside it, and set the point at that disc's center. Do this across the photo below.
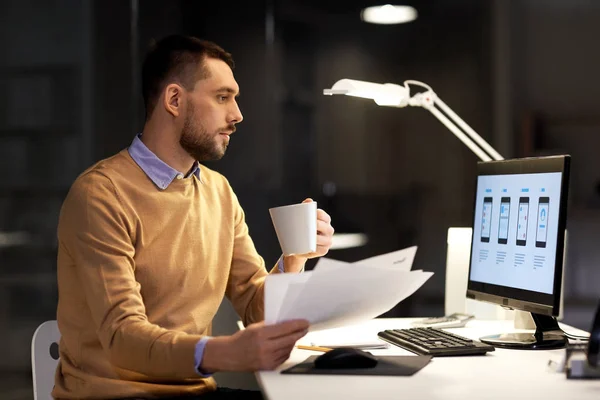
(543, 215)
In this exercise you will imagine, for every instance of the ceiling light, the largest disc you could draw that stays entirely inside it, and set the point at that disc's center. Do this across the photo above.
(388, 14)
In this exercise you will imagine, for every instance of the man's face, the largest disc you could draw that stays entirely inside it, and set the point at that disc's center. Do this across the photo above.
(212, 113)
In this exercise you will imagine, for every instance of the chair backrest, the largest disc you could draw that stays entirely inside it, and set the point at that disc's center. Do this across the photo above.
(458, 256)
(44, 359)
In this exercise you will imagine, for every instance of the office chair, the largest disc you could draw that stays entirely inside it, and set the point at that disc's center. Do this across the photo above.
(44, 359)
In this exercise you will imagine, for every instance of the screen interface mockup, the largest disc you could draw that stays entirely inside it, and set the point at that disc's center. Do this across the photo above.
(504, 220)
(516, 230)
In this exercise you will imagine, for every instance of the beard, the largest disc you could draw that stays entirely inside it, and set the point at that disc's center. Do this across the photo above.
(198, 142)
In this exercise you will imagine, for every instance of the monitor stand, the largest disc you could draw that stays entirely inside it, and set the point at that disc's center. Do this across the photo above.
(547, 335)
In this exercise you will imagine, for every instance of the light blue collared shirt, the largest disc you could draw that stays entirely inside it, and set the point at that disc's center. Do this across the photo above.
(157, 170)
(162, 175)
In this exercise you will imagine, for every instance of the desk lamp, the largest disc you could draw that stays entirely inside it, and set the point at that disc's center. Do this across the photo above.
(392, 95)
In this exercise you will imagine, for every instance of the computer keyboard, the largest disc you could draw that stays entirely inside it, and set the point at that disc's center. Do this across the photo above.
(434, 342)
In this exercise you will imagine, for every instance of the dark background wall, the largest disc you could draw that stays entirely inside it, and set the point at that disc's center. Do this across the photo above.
(522, 73)
(554, 83)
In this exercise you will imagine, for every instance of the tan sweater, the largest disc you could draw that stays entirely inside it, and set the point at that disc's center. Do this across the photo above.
(141, 274)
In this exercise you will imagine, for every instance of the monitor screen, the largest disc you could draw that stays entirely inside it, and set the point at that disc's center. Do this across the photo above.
(518, 233)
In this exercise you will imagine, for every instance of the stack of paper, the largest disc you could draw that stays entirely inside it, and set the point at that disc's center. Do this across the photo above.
(338, 293)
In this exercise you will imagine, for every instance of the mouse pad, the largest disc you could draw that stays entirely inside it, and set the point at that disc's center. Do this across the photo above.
(386, 365)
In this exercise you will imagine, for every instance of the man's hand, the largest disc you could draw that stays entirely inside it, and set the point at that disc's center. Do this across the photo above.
(258, 347)
(325, 232)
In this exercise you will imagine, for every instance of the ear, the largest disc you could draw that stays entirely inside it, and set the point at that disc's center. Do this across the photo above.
(174, 99)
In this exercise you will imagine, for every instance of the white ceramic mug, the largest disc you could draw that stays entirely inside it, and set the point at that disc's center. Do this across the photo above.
(296, 227)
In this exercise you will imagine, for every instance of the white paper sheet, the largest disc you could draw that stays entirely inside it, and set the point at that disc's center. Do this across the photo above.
(337, 293)
(276, 291)
(401, 259)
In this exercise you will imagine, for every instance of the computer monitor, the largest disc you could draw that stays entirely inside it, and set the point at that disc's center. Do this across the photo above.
(517, 246)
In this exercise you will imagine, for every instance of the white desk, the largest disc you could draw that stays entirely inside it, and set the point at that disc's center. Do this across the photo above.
(501, 374)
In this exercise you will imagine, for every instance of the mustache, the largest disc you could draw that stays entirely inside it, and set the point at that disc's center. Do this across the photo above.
(228, 128)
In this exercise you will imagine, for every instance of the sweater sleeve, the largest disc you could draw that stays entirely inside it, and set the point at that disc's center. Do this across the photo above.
(96, 233)
(245, 287)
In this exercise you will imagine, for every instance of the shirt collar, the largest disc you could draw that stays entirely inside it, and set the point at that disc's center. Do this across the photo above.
(157, 170)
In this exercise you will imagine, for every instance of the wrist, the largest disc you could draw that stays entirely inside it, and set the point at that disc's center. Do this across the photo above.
(293, 263)
(216, 355)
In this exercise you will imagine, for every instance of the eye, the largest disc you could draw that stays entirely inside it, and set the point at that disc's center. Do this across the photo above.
(222, 98)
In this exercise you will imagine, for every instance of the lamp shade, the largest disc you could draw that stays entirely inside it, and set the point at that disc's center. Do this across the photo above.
(386, 94)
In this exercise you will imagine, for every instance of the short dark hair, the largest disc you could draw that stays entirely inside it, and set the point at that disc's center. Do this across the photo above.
(175, 58)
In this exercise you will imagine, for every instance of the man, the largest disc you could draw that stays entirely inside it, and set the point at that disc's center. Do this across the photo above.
(150, 241)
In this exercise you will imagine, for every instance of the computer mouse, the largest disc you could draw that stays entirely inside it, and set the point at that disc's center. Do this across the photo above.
(345, 357)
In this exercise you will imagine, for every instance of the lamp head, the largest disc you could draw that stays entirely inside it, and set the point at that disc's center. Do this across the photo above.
(386, 94)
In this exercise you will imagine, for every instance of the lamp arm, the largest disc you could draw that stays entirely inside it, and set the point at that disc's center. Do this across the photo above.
(429, 100)
(459, 134)
(465, 127)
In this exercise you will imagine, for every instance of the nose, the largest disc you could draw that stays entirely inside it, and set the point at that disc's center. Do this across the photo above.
(235, 116)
